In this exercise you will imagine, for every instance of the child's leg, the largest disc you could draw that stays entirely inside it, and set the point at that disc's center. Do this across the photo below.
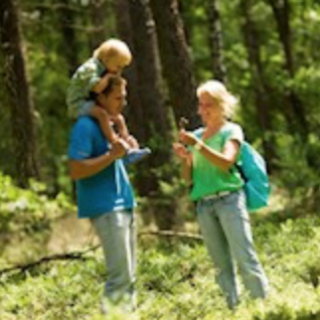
(104, 121)
(122, 126)
(134, 152)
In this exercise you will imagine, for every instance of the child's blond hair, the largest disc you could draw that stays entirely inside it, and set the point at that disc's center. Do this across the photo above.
(111, 48)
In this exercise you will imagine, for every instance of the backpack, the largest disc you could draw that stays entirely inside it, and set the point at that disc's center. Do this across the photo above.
(252, 168)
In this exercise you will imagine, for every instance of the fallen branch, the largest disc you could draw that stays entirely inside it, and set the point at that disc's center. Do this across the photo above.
(172, 234)
(80, 255)
(77, 255)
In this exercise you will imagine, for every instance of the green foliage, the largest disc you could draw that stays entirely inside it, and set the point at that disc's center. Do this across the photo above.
(176, 278)
(50, 60)
(302, 188)
(21, 207)
(27, 213)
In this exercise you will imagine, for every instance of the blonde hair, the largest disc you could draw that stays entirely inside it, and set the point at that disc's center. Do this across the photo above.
(219, 93)
(112, 48)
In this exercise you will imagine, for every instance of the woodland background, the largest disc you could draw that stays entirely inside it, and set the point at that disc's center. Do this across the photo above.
(265, 51)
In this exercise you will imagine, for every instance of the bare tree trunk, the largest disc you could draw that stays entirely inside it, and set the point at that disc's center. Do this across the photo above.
(176, 62)
(298, 120)
(134, 111)
(216, 41)
(99, 32)
(23, 130)
(148, 74)
(260, 87)
(66, 16)
(155, 114)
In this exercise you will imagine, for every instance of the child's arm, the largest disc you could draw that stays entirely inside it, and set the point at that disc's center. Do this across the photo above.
(102, 83)
(104, 121)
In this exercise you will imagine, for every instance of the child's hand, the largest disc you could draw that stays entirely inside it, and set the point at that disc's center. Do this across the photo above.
(102, 83)
(132, 142)
(107, 77)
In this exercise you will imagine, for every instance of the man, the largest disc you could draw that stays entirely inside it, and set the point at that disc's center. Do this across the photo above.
(105, 196)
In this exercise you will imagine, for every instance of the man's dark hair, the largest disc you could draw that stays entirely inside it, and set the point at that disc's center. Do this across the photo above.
(114, 81)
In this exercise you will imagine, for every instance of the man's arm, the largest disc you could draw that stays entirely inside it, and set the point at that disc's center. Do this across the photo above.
(80, 169)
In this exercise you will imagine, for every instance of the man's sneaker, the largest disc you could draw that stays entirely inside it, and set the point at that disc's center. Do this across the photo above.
(135, 155)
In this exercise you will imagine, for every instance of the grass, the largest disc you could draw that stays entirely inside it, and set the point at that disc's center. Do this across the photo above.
(176, 280)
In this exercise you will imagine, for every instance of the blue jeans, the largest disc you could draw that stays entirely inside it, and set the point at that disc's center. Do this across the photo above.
(225, 226)
(117, 234)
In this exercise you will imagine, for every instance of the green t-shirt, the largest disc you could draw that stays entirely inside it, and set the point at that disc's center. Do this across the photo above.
(79, 97)
(207, 178)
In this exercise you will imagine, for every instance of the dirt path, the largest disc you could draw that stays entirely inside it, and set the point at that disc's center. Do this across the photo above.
(71, 234)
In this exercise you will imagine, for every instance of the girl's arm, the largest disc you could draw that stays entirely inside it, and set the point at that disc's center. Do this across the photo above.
(223, 160)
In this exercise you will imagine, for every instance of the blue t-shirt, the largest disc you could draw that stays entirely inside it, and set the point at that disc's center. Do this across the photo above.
(110, 189)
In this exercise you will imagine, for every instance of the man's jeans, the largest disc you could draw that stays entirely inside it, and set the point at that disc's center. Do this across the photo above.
(117, 233)
(225, 226)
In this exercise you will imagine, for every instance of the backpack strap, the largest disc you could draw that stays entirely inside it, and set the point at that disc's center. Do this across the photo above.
(237, 166)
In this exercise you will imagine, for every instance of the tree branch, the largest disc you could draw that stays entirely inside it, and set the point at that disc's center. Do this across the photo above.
(80, 255)
(172, 234)
(76, 255)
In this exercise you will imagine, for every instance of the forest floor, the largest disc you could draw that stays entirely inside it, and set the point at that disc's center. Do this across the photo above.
(175, 274)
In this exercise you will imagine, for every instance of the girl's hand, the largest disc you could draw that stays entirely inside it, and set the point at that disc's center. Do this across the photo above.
(187, 138)
(180, 150)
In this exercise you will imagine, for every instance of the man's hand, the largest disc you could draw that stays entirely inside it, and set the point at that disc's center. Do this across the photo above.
(118, 149)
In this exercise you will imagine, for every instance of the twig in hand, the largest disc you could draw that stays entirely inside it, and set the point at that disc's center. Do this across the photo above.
(183, 122)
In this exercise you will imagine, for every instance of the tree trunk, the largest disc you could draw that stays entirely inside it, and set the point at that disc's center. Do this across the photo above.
(99, 32)
(216, 41)
(298, 120)
(23, 130)
(155, 116)
(69, 46)
(176, 62)
(260, 87)
(134, 112)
